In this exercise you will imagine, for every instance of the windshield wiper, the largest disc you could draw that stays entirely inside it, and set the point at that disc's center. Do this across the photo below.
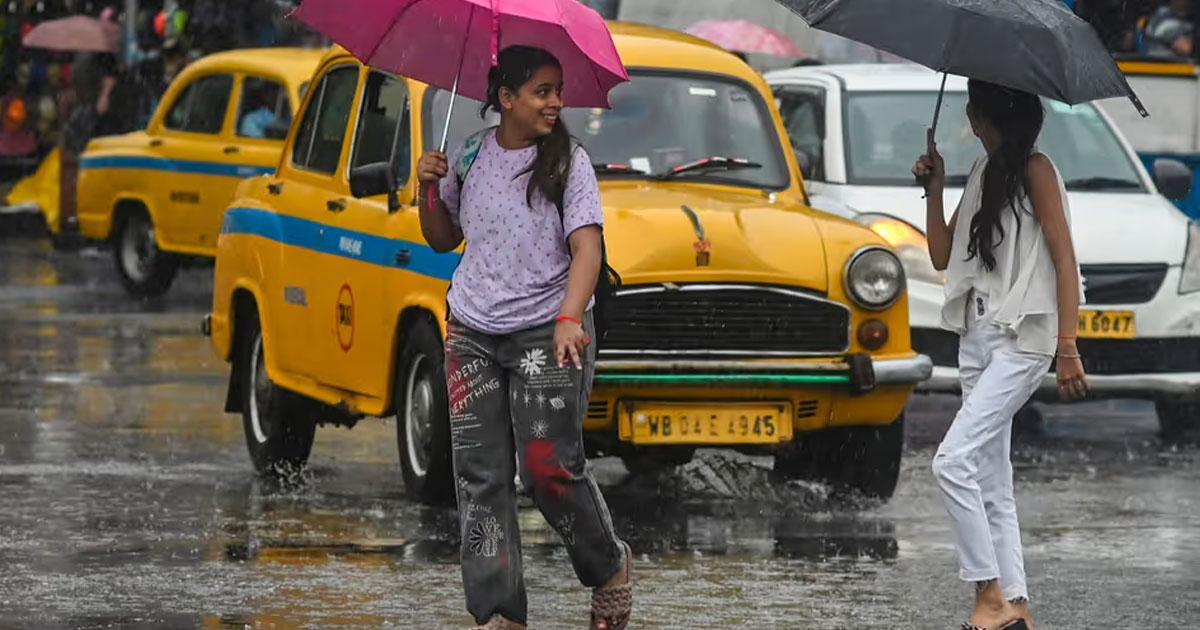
(616, 169)
(715, 163)
(1102, 183)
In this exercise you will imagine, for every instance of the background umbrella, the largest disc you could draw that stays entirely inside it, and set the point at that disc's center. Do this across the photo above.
(746, 37)
(1037, 46)
(452, 44)
(78, 33)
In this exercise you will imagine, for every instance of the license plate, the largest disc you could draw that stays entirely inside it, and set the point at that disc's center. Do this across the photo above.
(1106, 324)
(711, 424)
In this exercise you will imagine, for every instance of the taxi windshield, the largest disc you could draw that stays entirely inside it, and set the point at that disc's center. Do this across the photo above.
(885, 131)
(659, 123)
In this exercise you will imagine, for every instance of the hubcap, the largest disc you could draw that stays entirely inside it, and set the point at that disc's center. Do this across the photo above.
(418, 416)
(260, 393)
(138, 249)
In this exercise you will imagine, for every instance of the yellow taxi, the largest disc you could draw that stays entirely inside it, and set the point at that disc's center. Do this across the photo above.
(158, 194)
(746, 319)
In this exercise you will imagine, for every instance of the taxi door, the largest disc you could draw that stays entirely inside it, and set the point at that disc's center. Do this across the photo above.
(364, 262)
(198, 180)
(252, 146)
(310, 174)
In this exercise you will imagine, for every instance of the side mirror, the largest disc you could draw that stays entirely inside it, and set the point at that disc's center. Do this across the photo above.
(1173, 178)
(373, 179)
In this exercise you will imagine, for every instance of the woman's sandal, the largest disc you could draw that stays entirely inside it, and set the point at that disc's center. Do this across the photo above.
(1015, 624)
(612, 605)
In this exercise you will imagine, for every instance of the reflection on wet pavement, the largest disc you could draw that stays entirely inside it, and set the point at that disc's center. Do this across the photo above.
(129, 503)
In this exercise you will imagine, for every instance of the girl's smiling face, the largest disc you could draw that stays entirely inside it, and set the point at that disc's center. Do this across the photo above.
(535, 106)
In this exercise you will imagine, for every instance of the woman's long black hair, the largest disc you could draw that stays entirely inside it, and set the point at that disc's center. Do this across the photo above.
(1018, 117)
(515, 66)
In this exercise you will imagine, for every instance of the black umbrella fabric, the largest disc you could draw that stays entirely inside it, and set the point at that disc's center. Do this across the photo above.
(1037, 46)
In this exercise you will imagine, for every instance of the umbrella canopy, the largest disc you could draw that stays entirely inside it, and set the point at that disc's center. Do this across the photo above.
(78, 33)
(746, 37)
(1037, 46)
(448, 43)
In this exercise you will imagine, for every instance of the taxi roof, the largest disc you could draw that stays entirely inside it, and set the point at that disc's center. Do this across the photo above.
(876, 77)
(644, 46)
(297, 64)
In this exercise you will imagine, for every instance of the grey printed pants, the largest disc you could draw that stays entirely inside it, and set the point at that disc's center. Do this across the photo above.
(509, 401)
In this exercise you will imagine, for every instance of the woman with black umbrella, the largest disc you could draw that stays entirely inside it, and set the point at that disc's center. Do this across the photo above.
(1012, 294)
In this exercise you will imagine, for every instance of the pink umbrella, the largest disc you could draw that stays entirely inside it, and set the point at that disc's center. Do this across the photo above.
(452, 44)
(746, 37)
(78, 33)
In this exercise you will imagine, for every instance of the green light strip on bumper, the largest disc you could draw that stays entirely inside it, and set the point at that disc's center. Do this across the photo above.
(691, 379)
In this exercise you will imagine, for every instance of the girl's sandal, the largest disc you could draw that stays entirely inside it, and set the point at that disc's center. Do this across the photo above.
(612, 605)
(1015, 624)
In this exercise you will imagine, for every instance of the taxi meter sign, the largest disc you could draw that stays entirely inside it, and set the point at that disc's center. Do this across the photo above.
(344, 317)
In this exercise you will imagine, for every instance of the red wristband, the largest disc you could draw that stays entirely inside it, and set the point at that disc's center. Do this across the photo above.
(568, 318)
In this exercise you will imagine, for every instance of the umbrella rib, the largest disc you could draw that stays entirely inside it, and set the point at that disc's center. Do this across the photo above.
(392, 25)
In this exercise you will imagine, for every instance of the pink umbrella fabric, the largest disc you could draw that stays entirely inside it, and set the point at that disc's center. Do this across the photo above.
(439, 41)
(78, 33)
(746, 37)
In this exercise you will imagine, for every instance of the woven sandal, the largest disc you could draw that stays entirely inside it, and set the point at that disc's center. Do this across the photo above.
(499, 623)
(612, 605)
(1015, 624)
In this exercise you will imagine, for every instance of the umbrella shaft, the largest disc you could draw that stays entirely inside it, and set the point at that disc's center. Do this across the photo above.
(937, 109)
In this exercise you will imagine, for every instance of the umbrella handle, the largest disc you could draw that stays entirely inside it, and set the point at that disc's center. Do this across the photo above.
(937, 111)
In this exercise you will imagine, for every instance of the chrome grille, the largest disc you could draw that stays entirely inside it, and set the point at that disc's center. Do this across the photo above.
(724, 320)
(1122, 284)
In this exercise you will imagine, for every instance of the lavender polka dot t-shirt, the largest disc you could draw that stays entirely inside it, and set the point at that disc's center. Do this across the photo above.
(513, 274)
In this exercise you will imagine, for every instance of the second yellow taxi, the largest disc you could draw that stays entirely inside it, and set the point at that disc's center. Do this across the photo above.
(158, 195)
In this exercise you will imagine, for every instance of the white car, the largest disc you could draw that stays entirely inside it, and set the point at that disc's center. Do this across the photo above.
(857, 131)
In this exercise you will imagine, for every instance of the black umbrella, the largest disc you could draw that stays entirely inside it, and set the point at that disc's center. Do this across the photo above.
(1037, 46)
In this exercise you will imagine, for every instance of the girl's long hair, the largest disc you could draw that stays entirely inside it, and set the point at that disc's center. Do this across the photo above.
(515, 66)
(1018, 117)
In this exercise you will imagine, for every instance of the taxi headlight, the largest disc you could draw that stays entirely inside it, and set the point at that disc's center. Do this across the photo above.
(874, 278)
(1189, 280)
(910, 244)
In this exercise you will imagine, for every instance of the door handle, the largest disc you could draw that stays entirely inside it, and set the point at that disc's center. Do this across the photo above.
(275, 188)
(229, 150)
(156, 142)
(335, 205)
(403, 257)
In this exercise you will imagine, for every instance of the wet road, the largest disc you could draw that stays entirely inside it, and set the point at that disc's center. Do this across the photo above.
(128, 502)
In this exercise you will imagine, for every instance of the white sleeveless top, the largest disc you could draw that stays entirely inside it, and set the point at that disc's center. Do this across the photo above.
(1021, 291)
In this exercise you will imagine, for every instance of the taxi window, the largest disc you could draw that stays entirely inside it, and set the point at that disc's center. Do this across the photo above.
(323, 129)
(383, 125)
(201, 106)
(265, 111)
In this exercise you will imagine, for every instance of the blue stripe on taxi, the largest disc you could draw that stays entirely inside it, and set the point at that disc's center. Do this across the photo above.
(174, 166)
(327, 239)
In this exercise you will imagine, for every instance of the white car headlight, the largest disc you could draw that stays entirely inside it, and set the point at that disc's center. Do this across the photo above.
(1189, 280)
(910, 244)
(874, 278)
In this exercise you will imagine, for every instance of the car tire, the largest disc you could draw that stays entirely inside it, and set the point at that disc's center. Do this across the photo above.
(860, 459)
(1178, 421)
(145, 270)
(278, 424)
(423, 416)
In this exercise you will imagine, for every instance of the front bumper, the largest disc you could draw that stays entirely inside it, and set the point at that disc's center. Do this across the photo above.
(1138, 368)
(860, 375)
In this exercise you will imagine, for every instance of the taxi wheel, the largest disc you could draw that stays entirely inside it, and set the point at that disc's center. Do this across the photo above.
(279, 430)
(860, 459)
(423, 416)
(145, 270)
(1179, 421)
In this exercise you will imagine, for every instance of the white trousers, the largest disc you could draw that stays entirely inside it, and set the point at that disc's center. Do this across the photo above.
(972, 465)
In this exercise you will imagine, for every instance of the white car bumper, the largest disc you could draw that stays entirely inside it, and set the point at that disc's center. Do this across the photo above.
(1163, 360)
